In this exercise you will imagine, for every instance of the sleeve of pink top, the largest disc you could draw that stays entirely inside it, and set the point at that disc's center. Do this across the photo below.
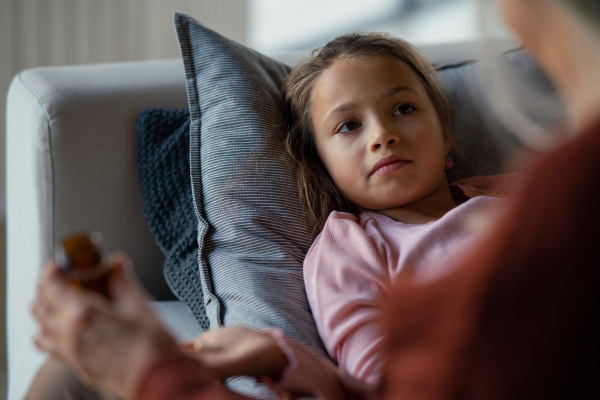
(307, 374)
(347, 278)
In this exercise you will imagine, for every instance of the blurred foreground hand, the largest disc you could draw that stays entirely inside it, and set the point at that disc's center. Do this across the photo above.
(107, 343)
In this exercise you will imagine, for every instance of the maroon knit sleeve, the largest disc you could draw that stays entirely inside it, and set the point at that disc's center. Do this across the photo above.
(174, 376)
(520, 319)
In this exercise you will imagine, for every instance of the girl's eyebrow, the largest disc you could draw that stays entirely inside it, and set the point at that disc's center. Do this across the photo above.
(399, 89)
(340, 109)
(349, 106)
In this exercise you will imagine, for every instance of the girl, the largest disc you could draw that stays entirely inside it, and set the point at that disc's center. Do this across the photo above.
(370, 131)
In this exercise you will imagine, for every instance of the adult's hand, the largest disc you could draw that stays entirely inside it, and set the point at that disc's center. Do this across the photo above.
(108, 343)
(232, 351)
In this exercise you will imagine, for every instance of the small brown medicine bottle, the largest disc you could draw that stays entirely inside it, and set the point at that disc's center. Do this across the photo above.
(82, 258)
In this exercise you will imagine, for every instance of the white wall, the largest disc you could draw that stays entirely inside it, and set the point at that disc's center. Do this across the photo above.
(61, 32)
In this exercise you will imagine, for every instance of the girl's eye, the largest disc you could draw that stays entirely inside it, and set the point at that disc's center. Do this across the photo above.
(404, 109)
(348, 126)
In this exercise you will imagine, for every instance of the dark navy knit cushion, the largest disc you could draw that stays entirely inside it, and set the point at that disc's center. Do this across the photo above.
(253, 232)
(164, 179)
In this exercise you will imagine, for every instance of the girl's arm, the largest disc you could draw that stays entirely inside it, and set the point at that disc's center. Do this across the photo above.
(347, 282)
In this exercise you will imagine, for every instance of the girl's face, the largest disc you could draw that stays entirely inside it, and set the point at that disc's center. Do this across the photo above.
(378, 134)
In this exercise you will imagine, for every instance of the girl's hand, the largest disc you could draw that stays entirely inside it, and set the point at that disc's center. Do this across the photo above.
(232, 351)
(107, 343)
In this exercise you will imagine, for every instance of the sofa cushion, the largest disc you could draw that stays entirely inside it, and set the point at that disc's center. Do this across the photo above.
(487, 140)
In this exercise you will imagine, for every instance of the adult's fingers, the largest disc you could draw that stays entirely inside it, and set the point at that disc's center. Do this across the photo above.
(53, 288)
(214, 336)
(239, 351)
(41, 312)
(124, 285)
(47, 322)
(48, 307)
(44, 341)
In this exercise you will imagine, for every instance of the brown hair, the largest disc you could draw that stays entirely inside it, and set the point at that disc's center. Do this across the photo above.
(318, 192)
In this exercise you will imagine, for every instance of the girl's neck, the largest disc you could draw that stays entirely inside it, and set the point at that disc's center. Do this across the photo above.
(427, 209)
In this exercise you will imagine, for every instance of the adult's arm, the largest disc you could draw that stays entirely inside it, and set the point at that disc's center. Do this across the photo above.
(119, 346)
(520, 319)
(175, 376)
(241, 351)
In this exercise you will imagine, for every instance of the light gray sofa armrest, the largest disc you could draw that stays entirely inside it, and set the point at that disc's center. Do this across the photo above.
(71, 166)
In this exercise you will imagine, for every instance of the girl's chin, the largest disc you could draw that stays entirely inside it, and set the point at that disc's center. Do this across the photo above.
(383, 208)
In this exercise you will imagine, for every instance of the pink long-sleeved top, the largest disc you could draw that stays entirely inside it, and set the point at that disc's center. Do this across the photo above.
(348, 273)
(352, 264)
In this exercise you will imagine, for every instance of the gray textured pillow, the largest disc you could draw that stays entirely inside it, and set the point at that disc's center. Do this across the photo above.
(253, 233)
(486, 144)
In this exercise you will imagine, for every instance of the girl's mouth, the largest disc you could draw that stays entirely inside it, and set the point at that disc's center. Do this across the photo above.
(389, 164)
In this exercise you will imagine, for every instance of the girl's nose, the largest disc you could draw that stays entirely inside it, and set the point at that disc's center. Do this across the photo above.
(382, 137)
(389, 142)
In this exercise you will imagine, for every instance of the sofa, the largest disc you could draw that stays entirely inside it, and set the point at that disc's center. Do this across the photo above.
(71, 166)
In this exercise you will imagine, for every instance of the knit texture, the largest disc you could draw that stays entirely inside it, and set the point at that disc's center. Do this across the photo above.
(164, 178)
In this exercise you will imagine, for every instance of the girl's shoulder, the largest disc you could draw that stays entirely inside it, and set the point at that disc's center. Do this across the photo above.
(345, 233)
(360, 220)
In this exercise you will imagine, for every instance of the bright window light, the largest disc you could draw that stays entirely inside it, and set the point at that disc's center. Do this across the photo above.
(293, 24)
(284, 25)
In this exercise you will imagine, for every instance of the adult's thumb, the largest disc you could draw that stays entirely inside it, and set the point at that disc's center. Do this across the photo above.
(123, 285)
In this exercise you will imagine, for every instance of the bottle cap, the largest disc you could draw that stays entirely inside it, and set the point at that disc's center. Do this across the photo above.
(82, 256)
